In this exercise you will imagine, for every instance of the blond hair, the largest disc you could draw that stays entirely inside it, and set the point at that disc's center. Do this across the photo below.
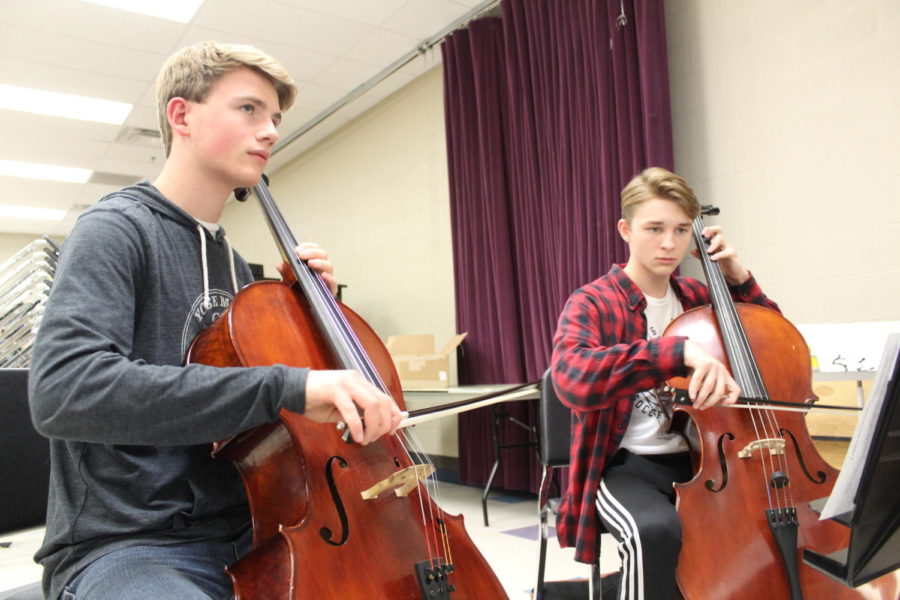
(656, 182)
(191, 72)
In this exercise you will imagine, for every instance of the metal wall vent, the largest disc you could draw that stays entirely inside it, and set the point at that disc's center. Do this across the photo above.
(139, 136)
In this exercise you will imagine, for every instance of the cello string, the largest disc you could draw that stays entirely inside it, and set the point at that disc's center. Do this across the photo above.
(364, 365)
(726, 315)
(354, 356)
(748, 379)
(429, 483)
(769, 419)
(319, 294)
(414, 441)
(328, 312)
(756, 418)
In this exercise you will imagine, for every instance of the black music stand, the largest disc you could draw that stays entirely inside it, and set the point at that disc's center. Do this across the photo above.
(874, 548)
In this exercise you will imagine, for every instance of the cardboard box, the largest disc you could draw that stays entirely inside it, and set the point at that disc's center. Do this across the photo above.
(420, 367)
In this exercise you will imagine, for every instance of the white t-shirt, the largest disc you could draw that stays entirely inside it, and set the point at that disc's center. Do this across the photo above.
(212, 227)
(648, 429)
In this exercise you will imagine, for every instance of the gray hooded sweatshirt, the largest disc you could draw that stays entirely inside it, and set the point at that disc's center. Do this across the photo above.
(130, 427)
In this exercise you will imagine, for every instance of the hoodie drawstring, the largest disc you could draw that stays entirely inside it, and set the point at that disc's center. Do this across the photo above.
(207, 302)
(231, 265)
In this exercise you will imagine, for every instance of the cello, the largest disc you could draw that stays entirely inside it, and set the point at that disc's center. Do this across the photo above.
(745, 514)
(331, 518)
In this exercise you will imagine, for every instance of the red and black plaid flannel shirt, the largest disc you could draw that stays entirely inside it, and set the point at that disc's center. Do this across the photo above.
(601, 358)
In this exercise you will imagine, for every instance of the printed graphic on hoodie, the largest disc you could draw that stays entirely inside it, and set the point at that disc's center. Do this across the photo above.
(200, 317)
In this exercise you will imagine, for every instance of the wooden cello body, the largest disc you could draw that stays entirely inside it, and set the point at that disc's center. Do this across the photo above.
(332, 519)
(745, 514)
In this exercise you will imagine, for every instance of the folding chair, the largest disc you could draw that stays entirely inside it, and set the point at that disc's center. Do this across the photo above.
(555, 439)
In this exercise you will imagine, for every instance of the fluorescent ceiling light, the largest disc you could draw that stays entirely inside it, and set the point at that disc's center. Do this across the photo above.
(15, 168)
(173, 10)
(55, 104)
(30, 212)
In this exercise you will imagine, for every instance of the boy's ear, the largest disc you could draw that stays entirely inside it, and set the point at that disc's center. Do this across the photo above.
(176, 112)
(624, 230)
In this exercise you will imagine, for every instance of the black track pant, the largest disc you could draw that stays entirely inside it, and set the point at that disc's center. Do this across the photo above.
(636, 505)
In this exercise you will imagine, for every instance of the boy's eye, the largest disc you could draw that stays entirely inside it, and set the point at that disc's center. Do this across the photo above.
(247, 108)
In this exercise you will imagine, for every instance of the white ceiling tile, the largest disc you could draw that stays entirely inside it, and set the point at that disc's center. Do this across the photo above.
(295, 118)
(346, 74)
(329, 47)
(143, 117)
(80, 55)
(12, 122)
(35, 227)
(92, 22)
(70, 81)
(303, 64)
(149, 158)
(317, 97)
(91, 193)
(470, 4)
(57, 150)
(404, 75)
(424, 18)
(382, 47)
(282, 24)
(38, 194)
(359, 11)
(148, 98)
(61, 228)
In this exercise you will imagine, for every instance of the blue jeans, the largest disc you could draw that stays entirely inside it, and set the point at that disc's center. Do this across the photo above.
(194, 571)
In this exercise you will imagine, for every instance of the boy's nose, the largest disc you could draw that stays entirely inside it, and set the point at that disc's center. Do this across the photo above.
(270, 133)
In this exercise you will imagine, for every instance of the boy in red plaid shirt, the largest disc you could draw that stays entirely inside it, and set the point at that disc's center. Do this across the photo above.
(609, 357)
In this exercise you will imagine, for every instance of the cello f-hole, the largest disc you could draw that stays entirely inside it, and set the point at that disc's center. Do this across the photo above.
(723, 464)
(820, 477)
(325, 532)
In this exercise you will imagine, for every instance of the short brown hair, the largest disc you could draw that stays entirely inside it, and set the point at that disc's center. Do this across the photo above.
(192, 71)
(656, 182)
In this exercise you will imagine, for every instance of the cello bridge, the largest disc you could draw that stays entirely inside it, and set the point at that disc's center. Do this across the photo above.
(775, 446)
(402, 481)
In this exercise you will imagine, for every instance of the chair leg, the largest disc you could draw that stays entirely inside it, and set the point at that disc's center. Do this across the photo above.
(543, 512)
(596, 591)
(542, 559)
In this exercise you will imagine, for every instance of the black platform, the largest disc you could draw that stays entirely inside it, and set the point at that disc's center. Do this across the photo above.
(24, 457)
